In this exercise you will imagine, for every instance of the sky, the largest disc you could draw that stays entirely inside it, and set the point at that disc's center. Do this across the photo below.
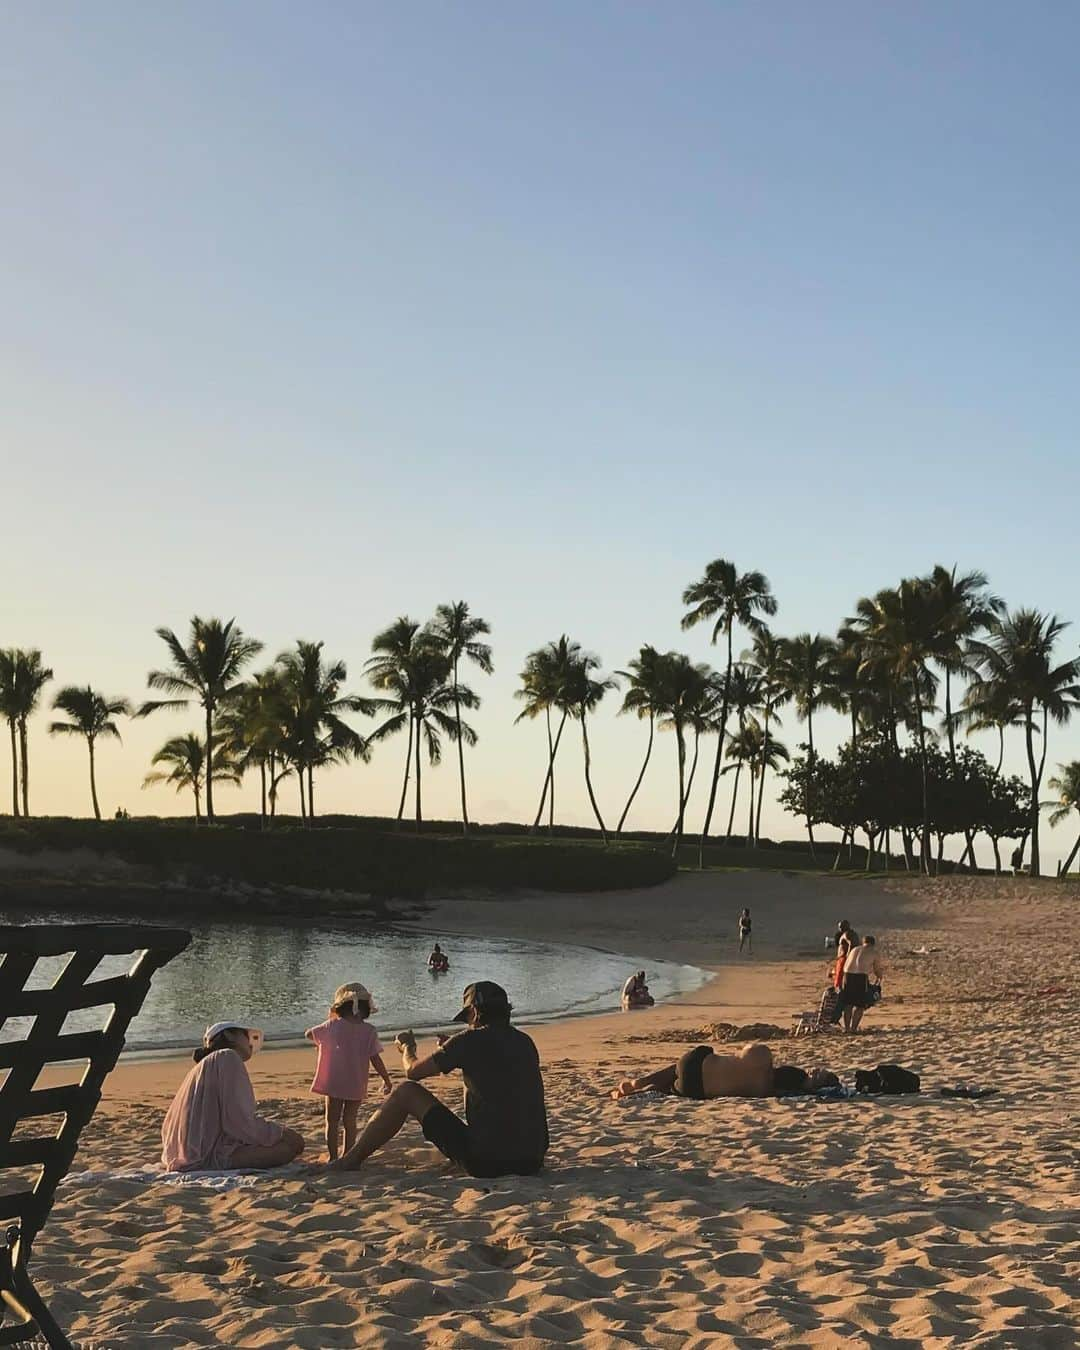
(319, 315)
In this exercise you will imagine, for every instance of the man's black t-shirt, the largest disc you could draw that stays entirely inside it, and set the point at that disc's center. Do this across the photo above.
(504, 1092)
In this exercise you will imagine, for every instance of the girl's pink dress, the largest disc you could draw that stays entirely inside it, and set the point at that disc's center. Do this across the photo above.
(345, 1051)
(212, 1115)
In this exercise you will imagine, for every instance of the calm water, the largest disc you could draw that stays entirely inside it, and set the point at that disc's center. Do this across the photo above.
(280, 976)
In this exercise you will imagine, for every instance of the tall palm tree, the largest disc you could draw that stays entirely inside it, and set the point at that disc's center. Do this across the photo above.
(456, 632)
(543, 684)
(23, 675)
(415, 675)
(91, 716)
(185, 760)
(581, 695)
(9, 709)
(690, 697)
(766, 752)
(1016, 665)
(743, 695)
(315, 733)
(207, 670)
(807, 674)
(644, 698)
(990, 707)
(726, 598)
(766, 656)
(1066, 783)
(252, 726)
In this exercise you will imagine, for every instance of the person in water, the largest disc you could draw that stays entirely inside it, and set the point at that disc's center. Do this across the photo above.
(348, 1048)
(505, 1128)
(438, 961)
(212, 1123)
(702, 1074)
(635, 992)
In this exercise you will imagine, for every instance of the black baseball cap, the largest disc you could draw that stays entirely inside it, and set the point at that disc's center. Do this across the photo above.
(483, 994)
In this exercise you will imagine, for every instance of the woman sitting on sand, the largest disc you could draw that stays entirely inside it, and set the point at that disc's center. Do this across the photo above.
(212, 1124)
(702, 1074)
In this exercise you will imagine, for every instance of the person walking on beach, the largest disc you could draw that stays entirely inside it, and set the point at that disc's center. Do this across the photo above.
(856, 992)
(505, 1129)
(212, 1124)
(348, 1046)
(745, 939)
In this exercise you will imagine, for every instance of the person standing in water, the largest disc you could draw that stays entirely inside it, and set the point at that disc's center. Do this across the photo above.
(745, 939)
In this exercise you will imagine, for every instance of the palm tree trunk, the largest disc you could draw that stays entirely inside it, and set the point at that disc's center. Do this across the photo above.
(25, 768)
(1028, 732)
(750, 822)
(1069, 860)
(734, 799)
(641, 775)
(693, 766)
(209, 764)
(588, 777)
(262, 793)
(1001, 750)
(405, 780)
(924, 834)
(461, 755)
(93, 782)
(810, 780)
(198, 813)
(549, 778)
(719, 752)
(684, 790)
(311, 792)
(418, 719)
(300, 780)
(969, 834)
(14, 769)
(997, 855)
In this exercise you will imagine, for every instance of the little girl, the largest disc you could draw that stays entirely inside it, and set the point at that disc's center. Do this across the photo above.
(347, 1045)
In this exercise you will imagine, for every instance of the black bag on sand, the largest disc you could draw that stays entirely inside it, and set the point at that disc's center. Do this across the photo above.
(887, 1080)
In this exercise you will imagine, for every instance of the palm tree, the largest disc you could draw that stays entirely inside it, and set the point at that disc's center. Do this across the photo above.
(456, 631)
(744, 693)
(689, 697)
(543, 683)
(416, 674)
(990, 708)
(186, 760)
(766, 657)
(1016, 666)
(208, 670)
(766, 752)
(23, 675)
(252, 728)
(807, 675)
(581, 695)
(1066, 784)
(314, 732)
(644, 698)
(726, 597)
(91, 716)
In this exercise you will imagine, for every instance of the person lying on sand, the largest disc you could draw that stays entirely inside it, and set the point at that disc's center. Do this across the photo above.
(212, 1123)
(701, 1074)
(505, 1128)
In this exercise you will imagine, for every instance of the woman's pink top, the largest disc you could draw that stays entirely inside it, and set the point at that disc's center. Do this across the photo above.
(345, 1050)
(212, 1115)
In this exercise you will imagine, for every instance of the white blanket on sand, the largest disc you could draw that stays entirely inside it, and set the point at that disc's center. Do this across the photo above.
(157, 1176)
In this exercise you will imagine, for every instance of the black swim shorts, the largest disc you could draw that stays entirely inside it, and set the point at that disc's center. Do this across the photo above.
(688, 1073)
(450, 1135)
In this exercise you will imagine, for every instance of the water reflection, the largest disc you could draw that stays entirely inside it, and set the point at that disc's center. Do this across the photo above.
(281, 975)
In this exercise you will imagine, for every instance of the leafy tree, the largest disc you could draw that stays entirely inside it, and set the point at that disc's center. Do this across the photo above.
(544, 681)
(725, 598)
(23, 675)
(457, 633)
(766, 656)
(208, 671)
(253, 729)
(1066, 783)
(9, 709)
(185, 762)
(807, 675)
(91, 716)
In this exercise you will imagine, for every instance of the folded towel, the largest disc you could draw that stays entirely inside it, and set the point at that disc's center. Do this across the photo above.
(157, 1176)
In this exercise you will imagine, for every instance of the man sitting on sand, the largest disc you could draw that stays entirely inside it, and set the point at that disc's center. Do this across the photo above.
(701, 1074)
(505, 1127)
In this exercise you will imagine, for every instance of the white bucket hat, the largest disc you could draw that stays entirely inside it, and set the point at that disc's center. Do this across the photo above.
(255, 1036)
(355, 994)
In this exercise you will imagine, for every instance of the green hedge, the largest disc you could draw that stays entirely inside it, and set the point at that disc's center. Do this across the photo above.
(361, 859)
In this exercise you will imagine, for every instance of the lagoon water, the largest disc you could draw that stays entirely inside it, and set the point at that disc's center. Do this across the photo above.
(279, 975)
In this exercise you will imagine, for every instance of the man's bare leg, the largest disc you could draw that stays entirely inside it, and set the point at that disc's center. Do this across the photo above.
(663, 1080)
(407, 1100)
(856, 1018)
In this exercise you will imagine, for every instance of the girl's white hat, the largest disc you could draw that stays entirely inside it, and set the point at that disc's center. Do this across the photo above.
(255, 1036)
(355, 994)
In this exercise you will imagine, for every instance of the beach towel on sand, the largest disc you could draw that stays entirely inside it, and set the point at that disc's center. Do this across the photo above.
(157, 1176)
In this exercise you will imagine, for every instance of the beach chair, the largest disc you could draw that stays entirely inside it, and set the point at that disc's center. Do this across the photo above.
(39, 1148)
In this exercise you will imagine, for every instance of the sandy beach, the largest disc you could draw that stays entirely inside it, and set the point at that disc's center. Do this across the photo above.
(920, 1221)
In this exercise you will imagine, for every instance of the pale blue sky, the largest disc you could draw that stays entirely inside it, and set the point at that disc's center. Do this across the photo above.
(319, 314)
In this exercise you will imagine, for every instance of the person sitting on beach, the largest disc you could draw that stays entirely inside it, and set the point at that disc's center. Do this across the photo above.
(856, 993)
(212, 1123)
(505, 1128)
(702, 1074)
(635, 992)
(437, 961)
(347, 1046)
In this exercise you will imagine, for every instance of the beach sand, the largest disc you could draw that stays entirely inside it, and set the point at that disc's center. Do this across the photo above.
(916, 1221)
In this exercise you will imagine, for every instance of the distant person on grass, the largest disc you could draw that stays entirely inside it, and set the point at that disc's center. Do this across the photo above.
(505, 1128)
(745, 938)
(702, 1074)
